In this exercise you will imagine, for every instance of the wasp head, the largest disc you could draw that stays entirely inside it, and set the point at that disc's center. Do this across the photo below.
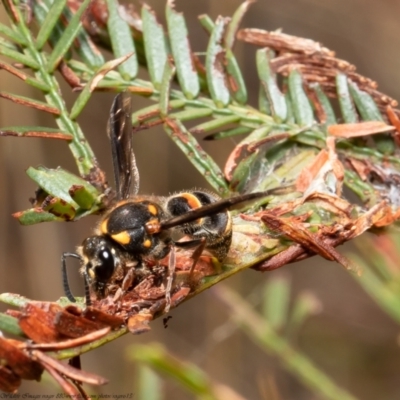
(100, 259)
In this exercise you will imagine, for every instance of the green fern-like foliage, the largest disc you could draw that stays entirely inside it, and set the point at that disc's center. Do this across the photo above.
(301, 83)
(293, 139)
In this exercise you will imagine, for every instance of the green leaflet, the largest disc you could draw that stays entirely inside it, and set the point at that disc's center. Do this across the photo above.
(155, 46)
(180, 46)
(122, 41)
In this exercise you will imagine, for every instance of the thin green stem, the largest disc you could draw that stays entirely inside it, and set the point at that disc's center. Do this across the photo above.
(258, 329)
(79, 146)
(76, 351)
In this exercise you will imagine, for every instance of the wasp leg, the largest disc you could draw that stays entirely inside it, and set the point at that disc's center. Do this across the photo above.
(199, 244)
(118, 294)
(67, 289)
(126, 283)
(183, 291)
(170, 280)
(196, 256)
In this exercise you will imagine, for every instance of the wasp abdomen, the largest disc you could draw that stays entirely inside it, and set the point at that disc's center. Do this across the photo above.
(215, 229)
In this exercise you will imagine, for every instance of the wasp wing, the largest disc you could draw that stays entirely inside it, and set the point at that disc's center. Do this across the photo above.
(119, 131)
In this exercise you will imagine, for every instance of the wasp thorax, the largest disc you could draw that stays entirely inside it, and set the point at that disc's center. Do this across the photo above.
(135, 227)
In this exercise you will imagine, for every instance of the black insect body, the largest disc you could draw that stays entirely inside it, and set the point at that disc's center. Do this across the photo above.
(132, 229)
(215, 229)
(137, 231)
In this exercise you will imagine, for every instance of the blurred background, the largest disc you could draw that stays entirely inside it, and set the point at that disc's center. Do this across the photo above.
(351, 338)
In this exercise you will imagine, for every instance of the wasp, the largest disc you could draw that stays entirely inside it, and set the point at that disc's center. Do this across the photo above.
(137, 231)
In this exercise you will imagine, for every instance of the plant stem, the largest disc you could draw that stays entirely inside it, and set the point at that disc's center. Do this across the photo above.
(297, 363)
(79, 146)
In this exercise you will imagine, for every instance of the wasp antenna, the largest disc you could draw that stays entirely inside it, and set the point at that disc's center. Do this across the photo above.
(67, 289)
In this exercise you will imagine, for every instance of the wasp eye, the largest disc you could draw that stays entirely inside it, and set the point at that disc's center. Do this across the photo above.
(105, 266)
(105, 255)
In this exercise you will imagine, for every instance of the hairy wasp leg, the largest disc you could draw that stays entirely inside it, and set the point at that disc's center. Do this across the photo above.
(67, 289)
(196, 256)
(126, 284)
(199, 244)
(170, 280)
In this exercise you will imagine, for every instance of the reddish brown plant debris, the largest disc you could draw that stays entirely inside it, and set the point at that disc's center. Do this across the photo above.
(107, 320)
(69, 75)
(68, 387)
(45, 322)
(38, 134)
(388, 217)
(316, 63)
(326, 238)
(19, 361)
(361, 167)
(70, 343)
(29, 103)
(9, 4)
(14, 71)
(299, 233)
(37, 322)
(140, 91)
(395, 121)
(199, 66)
(281, 63)
(282, 42)
(67, 370)
(73, 326)
(359, 129)
(244, 149)
(9, 381)
(308, 174)
(318, 109)
(40, 321)
(315, 176)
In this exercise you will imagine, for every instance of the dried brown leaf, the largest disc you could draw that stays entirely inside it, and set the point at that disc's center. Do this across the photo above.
(359, 129)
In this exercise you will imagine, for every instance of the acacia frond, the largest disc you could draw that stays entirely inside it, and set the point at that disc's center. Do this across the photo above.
(294, 138)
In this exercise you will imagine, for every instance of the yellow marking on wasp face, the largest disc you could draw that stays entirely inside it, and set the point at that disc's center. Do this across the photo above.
(103, 226)
(147, 243)
(91, 273)
(192, 200)
(152, 209)
(122, 237)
